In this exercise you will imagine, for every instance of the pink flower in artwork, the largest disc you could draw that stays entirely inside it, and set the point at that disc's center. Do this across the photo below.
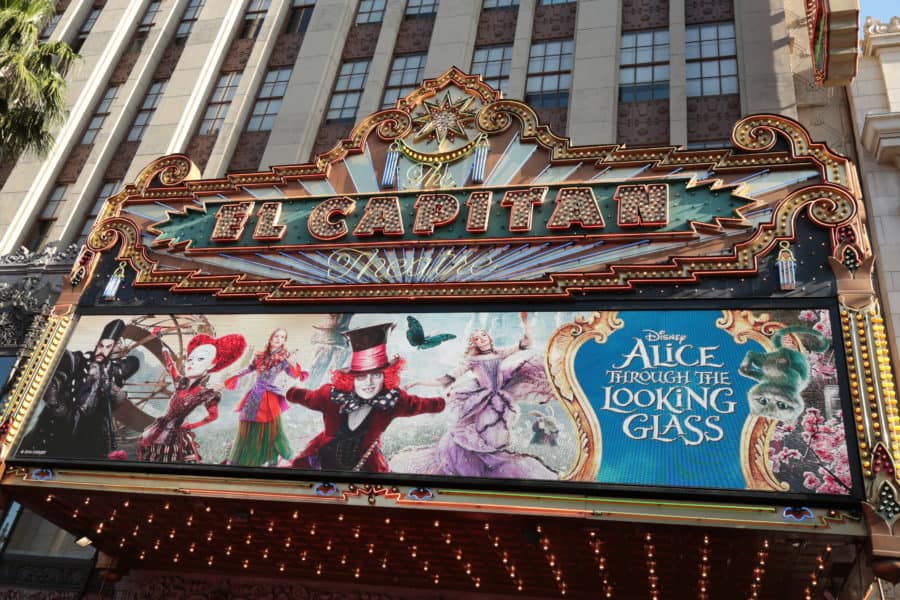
(821, 454)
(810, 481)
(808, 316)
(821, 365)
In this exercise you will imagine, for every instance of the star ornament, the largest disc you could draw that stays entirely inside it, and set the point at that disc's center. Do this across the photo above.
(445, 120)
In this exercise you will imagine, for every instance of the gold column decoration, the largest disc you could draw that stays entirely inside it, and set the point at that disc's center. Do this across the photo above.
(756, 436)
(886, 375)
(875, 410)
(32, 377)
(561, 351)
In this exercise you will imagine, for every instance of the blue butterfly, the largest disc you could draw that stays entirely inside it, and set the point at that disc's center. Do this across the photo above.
(417, 338)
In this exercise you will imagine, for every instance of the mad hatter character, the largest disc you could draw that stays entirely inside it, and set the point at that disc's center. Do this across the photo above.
(169, 439)
(260, 438)
(358, 405)
(76, 420)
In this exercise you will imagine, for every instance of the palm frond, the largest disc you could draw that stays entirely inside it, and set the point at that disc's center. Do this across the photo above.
(32, 77)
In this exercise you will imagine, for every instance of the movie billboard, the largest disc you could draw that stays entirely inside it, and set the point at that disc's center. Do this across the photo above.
(731, 399)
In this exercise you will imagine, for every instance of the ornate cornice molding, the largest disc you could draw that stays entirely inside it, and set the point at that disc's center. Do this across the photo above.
(881, 136)
(50, 256)
(878, 35)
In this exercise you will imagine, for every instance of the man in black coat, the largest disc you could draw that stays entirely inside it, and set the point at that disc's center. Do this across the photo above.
(76, 420)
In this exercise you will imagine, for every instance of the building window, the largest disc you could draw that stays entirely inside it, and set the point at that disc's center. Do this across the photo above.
(50, 27)
(370, 11)
(51, 207)
(188, 19)
(100, 115)
(219, 103)
(549, 74)
(711, 61)
(406, 73)
(549, 2)
(85, 29)
(421, 8)
(147, 23)
(109, 188)
(348, 90)
(254, 18)
(151, 100)
(298, 19)
(268, 103)
(47, 217)
(708, 144)
(493, 64)
(499, 4)
(644, 66)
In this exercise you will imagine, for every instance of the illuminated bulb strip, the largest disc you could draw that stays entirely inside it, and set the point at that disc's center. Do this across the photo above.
(413, 550)
(602, 568)
(25, 389)
(505, 559)
(652, 576)
(850, 349)
(759, 570)
(466, 566)
(704, 582)
(866, 392)
(886, 380)
(552, 562)
(817, 573)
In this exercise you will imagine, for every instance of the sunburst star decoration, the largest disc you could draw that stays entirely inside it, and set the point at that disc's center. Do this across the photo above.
(445, 119)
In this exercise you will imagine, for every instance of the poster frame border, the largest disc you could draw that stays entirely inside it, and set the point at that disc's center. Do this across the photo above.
(567, 488)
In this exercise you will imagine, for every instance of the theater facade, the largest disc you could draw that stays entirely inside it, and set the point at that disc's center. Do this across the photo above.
(458, 354)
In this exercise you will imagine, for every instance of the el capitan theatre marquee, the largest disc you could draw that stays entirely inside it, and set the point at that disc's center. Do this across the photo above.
(454, 298)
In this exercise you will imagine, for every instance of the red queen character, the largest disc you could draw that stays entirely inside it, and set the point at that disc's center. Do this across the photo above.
(358, 405)
(169, 439)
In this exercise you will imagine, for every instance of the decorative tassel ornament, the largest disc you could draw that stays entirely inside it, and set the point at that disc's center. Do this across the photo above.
(114, 283)
(787, 267)
(390, 166)
(478, 165)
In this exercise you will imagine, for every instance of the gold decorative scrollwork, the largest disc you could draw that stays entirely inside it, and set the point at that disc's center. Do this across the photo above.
(756, 437)
(101, 238)
(496, 117)
(758, 133)
(395, 124)
(172, 170)
(561, 351)
(746, 326)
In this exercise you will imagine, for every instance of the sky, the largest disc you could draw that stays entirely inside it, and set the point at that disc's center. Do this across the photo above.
(882, 10)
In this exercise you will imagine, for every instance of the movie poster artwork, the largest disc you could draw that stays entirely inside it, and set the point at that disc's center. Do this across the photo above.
(710, 399)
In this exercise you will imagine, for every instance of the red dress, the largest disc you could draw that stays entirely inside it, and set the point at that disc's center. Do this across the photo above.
(366, 452)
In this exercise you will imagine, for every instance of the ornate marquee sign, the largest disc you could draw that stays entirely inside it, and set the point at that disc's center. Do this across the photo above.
(457, 193)
(710, 312)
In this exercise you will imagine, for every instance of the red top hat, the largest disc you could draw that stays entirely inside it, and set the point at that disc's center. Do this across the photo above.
(369, 345)
(229, 348)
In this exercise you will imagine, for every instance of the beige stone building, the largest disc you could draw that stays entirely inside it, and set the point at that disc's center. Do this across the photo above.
(240, 86)
(874, 97)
